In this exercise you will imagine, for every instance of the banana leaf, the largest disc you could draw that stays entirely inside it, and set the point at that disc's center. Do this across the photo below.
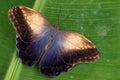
(98, 20)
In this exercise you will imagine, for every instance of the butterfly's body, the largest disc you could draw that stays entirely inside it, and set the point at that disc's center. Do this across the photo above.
(54, 50)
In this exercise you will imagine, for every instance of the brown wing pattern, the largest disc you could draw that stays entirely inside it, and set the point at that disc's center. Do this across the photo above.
(75, 48)
(28, 23)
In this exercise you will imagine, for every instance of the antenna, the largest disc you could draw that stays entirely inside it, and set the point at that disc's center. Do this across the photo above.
(58, 23)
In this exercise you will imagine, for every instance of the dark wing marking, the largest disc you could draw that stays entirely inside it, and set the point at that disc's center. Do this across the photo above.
(29, 24)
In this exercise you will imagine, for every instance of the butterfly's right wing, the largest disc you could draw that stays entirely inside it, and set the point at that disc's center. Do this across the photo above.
(67, 49)
(75, 48)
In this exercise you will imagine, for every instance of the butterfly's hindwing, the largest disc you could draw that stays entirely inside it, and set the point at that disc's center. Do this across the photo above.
(52, 64)
(30, 52)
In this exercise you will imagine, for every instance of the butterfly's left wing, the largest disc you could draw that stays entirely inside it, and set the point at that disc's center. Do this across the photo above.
(33, 31)
(30, 52)
(29, 24)
(66, 49)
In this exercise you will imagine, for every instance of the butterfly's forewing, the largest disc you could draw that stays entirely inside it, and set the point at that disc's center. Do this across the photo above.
(75, 48)
(29, 24)
(33, 31)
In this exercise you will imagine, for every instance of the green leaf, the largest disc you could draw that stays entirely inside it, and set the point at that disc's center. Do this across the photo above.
(98, 20)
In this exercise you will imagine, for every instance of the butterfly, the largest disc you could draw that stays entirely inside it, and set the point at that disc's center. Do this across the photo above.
(54, 50)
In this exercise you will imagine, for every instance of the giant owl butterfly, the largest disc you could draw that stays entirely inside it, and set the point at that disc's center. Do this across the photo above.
(38, 41)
